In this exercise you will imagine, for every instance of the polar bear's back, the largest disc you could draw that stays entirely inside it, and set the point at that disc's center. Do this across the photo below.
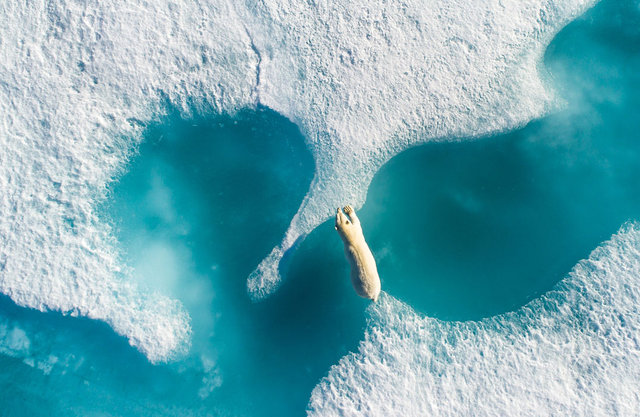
(364, 272)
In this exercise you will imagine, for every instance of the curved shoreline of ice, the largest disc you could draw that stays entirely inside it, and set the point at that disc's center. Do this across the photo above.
(574, 351)
(363, 81)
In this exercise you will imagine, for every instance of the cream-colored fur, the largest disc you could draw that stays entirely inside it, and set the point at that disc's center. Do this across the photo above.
(364, 274)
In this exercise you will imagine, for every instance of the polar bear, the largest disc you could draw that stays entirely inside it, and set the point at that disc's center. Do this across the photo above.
(364, 274)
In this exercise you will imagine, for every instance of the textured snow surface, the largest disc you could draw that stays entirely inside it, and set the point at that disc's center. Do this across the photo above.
(573, 352)
(364, 80)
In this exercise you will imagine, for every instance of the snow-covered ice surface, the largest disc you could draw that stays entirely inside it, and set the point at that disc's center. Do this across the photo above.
(80, 80)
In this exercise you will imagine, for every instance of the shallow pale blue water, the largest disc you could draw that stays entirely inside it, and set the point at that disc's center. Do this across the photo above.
(461, 231)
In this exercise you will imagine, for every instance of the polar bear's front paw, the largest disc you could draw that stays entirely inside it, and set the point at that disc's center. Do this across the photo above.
(348, 209)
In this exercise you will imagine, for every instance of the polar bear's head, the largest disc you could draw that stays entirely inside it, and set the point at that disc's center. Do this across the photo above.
(341, 220)
(348, 228)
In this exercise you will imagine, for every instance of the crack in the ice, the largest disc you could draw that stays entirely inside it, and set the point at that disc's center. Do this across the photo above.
(254, 48)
